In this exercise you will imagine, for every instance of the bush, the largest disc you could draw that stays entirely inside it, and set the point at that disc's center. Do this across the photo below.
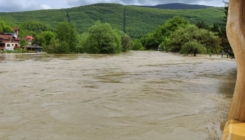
(125, 40)
(193, 47)
(137, 45)
(193, 34)
(102, 39)
(66, 32)
(58, 47)
(82, 40)
(62, 48)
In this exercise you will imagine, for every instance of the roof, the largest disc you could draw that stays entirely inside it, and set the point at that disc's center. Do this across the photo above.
(7, 36)
(29, 38)
(3, 36)
(33, 46)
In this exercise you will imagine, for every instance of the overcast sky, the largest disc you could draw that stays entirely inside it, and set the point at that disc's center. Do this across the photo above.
(26, 5)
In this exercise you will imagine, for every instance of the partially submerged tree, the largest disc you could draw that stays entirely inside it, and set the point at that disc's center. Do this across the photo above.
(125, 40)
(137, 45)
(103, 39)
(157, 37)
(66, 32)
(82, 40)
(193, 47)
(195, 35)
(44, 38)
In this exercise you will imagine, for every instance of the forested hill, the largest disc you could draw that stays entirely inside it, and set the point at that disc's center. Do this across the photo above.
(139, 20)
(178, 6)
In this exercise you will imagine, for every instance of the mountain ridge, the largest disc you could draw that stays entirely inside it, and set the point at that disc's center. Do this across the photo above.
(139, 20)
(178, 6)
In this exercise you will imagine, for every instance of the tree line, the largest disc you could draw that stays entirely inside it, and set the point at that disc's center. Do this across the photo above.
(138, 20)
(100, 38)
(175, 35)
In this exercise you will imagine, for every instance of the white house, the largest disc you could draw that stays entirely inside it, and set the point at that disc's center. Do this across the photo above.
(9, 41)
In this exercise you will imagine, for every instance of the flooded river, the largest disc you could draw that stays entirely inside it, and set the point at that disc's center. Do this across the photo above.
(130, 96)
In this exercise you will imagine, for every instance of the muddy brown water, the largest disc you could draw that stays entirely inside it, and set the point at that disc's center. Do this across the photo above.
(129, 96)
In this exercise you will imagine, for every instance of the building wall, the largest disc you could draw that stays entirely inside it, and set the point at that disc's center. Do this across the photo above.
(10, 45)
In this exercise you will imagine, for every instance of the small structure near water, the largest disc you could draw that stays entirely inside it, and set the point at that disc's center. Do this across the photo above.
(30, 46)
(9, 41)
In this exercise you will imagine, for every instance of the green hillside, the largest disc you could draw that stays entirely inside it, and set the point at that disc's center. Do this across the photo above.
(139, 20)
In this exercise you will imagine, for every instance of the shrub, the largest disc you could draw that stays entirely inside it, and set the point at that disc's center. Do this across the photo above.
(102, 39)
(193, 47)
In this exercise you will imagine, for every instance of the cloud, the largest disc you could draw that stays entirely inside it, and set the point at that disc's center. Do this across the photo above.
(146, 2)
(26, 5)
(124, 2)
(45, 6)
(21, 5)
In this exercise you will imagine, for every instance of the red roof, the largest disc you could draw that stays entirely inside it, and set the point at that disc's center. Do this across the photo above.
(29, 38)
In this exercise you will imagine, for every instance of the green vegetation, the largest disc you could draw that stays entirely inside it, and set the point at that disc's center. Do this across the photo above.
(33, 28)
(139, 20)
(223, 36)
(162, 34)
(4, 27)
(65, 40)
(23, 42)
(66, 32)
(137, 45)
(193, 47)
(103, 38)
(44, 38)
(126, 41)
(60, 47)
(82, 40)
(151, 29)
(184, 39)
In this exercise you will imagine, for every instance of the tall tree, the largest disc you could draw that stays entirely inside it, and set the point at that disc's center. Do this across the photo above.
(193, 47)
(215, 28)
(222, 34)
(203, 25)
(103, 39)
(157, 37)
(195, 35)
(33, 28)
(44, 38)
(4, 27)
(66, 32)
(126, 40)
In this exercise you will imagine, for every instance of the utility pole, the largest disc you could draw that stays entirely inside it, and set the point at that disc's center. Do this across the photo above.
(124, 20)
(67, 15)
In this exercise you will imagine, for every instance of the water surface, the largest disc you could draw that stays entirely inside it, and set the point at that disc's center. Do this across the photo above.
(129, 96)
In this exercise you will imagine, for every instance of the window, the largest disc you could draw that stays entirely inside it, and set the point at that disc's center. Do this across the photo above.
(12, 44)
(8, 45)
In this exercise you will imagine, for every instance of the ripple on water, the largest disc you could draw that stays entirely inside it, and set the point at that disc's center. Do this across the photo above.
(135, 95)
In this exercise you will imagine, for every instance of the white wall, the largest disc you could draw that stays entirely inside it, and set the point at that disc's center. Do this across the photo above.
(10, 46)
